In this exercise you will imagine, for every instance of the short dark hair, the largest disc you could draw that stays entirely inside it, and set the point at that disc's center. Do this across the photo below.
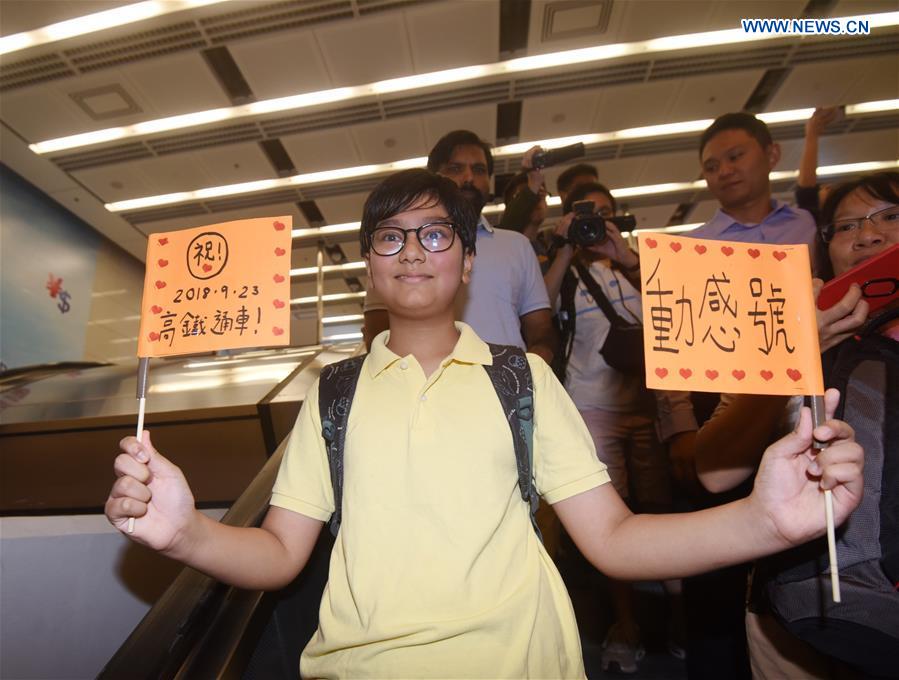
(755, 128)
(563, 184)
(443, 149)
(581, 191)
(403, 190)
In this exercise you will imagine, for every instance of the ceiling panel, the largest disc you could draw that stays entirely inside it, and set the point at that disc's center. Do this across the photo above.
(712, 95)
(391, 140)
(178, 83)
(235, 163)
(436, 30)
(371, 49)
(728, 14)
(323, 150)
(840, 82)
(479, 119)
(341, 209)
(621, 172)
(282, 64)
(204, 220)
(558, 116)
(17, 16)
(669, 167)
(882, 145)
(626, 106)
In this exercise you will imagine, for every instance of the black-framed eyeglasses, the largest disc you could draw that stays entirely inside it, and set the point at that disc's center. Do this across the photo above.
(884, 221)
(883, 287)
(435, 237)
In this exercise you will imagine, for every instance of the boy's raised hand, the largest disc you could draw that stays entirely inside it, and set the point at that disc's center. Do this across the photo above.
(153, 490)
(792, 477)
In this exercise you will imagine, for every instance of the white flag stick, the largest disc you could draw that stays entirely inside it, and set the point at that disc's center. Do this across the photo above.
(142, 369)
(818, 419)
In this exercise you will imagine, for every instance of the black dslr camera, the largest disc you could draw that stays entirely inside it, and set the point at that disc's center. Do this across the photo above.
(589, 227)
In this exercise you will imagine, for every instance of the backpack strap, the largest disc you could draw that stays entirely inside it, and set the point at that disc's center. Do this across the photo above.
(510, 374)
(336, 387)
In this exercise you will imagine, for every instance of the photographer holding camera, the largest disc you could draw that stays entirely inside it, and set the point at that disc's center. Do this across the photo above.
(594, 281)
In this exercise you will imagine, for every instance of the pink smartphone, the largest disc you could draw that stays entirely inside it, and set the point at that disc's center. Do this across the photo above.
(878, 278)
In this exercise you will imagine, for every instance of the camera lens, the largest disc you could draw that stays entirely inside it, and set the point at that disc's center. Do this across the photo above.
(587, 230)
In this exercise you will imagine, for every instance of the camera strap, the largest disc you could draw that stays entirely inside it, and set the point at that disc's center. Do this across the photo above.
(599, 296)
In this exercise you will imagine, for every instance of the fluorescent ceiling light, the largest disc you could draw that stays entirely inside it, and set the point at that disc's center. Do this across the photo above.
(100, 21)
(343, 336)
(327, 269)
(433, 79)
(334, 297)
(499, 152)
(345, 318)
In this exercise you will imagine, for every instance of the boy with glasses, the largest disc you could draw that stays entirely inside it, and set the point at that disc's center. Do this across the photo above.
(436, 570)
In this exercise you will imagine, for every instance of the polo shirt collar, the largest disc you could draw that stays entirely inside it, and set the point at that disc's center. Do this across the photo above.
(721, 221)
(485, 224)
(469, 349)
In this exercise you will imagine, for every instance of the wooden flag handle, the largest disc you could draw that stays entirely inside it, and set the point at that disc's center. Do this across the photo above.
(818, 419)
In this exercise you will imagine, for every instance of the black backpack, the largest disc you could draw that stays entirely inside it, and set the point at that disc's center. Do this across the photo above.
(511, 378)
(863, 629)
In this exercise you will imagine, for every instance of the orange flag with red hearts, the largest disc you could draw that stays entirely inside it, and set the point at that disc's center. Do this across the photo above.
(720, 316)
(222, 286)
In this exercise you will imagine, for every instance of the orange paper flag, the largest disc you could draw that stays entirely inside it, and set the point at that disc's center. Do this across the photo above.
(728, 317)
(217, 287)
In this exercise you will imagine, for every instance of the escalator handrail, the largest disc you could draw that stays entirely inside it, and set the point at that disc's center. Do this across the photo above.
(162, 641)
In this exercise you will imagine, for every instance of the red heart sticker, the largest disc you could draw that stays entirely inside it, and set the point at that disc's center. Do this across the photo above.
(685, 373)
(279, 226)
(163, 241)
(277, 331)
(207, 268)
(652, 243)
(779, 255)
(163, 263)
(153, 336)
(711, 374)
(767, 375)
(278, 278)
(675, 246)
(738, 374)
(699, 249)
(727, 250)
(160, 284)
(279, 304)
(279, 251)
(661, 372)
(754, 253)
(156, 309)
(793, 374)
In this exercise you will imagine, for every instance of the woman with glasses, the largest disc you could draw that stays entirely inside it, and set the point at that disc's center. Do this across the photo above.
(859, 220)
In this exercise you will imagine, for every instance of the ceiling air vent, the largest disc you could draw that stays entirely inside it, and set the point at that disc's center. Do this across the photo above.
(165, 213)
(108, 156)
(218, 136)
(272, 17)
(846, 48)
(440, 101)
(289, 195)
(135, 47)
(352, 114)
(568, 19)
(33, 71)
(720, 62)
(581, 79)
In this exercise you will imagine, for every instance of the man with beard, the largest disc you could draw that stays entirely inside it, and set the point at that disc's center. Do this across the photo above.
(506, 301)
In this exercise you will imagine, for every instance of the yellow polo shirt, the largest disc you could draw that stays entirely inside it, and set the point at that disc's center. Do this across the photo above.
(437, 571)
